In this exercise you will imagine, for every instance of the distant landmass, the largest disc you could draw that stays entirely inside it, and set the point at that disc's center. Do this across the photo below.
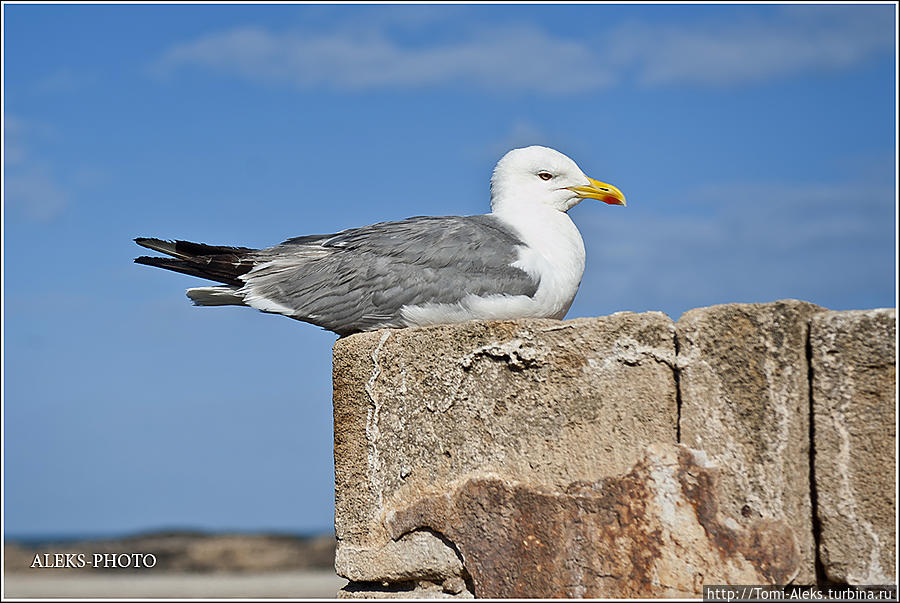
(181, 551)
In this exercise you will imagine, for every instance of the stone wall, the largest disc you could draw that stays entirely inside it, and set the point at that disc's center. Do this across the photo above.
(625, 455)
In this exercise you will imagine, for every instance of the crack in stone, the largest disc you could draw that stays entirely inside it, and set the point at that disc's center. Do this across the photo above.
(676, 373)
(372, 430)
(518, 353)
(821, 576)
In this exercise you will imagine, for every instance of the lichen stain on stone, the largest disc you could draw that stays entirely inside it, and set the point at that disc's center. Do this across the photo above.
(518, 354)
(606, 538)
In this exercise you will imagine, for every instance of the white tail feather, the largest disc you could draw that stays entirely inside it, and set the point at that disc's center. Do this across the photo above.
(215, 296)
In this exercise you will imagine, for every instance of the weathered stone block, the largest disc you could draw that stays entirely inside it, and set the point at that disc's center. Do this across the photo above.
(543, 402)
(653, 532)
(854, 387)
(744, 386)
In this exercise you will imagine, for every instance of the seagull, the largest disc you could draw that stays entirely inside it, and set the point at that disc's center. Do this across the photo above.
(524, 259)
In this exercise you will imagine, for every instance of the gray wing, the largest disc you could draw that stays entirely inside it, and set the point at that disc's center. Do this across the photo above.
(360, 279)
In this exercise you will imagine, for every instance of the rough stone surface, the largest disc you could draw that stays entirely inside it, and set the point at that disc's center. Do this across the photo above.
(654, 532)
(744, 388)
(854, 414)
(415, 555)
(544, 402)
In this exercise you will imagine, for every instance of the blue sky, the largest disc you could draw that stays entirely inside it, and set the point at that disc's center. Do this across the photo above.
(755, 144)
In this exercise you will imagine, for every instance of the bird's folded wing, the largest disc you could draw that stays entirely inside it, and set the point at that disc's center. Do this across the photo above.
(362, 278)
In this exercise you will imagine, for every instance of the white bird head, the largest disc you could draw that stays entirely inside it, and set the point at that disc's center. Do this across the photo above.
(542, 175)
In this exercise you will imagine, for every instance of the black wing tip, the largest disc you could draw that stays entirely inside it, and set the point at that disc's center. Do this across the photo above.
(148, 242)
(147, 260)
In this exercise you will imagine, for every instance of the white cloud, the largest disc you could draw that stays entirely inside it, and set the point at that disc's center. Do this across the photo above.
(13, 151)
(721, 53)
(35, 191)
(521, 58)
(30, 185)
(63, 81)
(527, 58)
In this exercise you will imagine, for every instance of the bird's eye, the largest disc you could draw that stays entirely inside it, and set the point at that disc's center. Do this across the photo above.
(545, 175)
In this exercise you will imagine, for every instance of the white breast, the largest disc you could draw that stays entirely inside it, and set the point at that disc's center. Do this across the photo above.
(553, 253)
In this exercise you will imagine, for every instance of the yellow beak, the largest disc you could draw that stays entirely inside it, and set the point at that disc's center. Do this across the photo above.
(600, 191)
